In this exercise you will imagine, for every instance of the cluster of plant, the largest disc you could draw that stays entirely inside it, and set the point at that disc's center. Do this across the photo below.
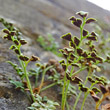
(81, 56)
(49, 44)
(13, 34)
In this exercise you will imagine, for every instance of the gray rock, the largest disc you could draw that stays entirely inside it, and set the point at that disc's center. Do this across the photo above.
(34, 18)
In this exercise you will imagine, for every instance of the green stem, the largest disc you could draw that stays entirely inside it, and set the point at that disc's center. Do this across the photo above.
(53, 84)
(81, 69)
(67, 85)
(81, 31)
(85, 96)
(43, 76)
(24, 65)
(28, 82)
(63, 90)
(63, 93)
(77, 99)
(67, 106)
(72, 69)
(74, 107)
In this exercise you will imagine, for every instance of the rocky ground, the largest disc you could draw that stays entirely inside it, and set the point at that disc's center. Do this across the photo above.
(34, 18)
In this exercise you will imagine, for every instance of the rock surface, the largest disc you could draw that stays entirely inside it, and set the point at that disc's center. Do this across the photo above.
(34, 18)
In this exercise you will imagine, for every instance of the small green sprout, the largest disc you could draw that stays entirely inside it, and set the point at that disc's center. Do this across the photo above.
(49, 44)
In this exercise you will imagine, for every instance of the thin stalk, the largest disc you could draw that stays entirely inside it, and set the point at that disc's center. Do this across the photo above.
(81, 69)
(67, 106)
(81, 31)
(67, 85)
(53, 84)
(85, 96)
(36, 80)
(28, 82)
(24, 65)
(63, 90)
(63, 93)
(43, 76)
(72, 69)
(77, 99)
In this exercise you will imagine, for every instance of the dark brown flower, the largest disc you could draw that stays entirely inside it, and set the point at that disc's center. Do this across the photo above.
(89, 20)
(12, 33)
(67, 37)
(23, 42)
(93, 54)
(79, 51)
(6, 31)
(96, 98)
(17, 51)
(12, 47)
(94, 38)
(93, 34)
(84, 89)
(72, 57)
(68, 77)
(96, 90)
(64, 66)
(91, 80)
(72, 44)
(78, 22)
(90, 59)
(103, 89)
(99, 59)
(23, 58)
(85, 32)
(76, 41)
(72, 18)
(34, 58)
(77, 80)
(84, 54)
(65, 55)
(16, 42)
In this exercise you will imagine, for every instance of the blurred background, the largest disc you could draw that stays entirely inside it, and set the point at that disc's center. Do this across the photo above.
(39, 17)
(44, 22)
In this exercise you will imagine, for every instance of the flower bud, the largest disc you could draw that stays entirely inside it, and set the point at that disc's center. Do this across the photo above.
(34, 58)
(103, 89)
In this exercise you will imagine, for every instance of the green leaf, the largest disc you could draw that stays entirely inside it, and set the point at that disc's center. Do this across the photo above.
(18, 69)
(18, 84)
